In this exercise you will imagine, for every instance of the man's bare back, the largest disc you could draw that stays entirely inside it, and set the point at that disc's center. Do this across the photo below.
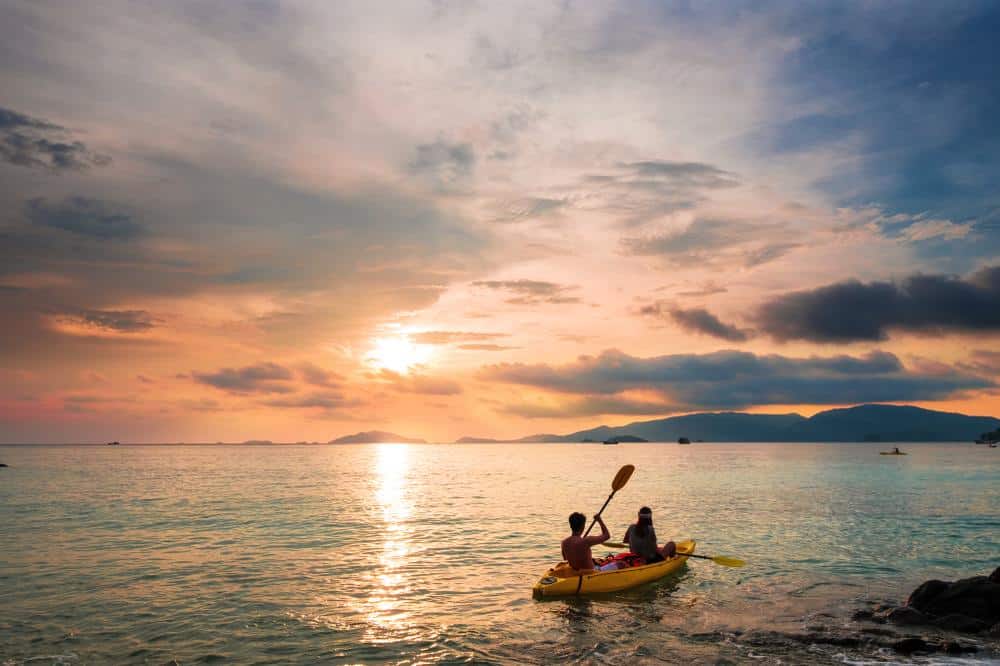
(576, 547)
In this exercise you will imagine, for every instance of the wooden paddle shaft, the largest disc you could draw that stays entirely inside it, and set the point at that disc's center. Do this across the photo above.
(594, 521)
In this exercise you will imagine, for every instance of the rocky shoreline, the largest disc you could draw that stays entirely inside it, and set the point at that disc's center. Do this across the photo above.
(969, 607)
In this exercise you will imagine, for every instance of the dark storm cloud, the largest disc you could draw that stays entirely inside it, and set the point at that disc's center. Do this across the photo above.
(260, 378)
(445, 165)
(83, 216)
(35, 143)
(732, 379)
(531, 292)
(697, 320)
(855, 311)
(121, 321)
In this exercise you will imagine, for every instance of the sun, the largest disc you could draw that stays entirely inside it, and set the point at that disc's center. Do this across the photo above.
(396, 353)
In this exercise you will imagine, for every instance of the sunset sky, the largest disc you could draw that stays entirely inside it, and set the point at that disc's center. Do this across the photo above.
(296, 220)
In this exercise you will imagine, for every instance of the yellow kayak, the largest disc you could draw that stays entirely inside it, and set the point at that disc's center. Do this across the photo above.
(563, 581)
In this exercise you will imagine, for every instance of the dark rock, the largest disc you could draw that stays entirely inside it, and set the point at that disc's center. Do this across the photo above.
(958, 648)
(925, 592)
(904, 615)
(878, 631)
(995, 576)
(977, 597)
(866, 615)
(911, 645)
(831, 639)
(3, 464)
(959, 622)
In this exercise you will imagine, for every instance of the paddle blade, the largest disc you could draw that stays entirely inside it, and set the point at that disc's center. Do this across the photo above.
(622, 477)
(728, 561)
(614, 545)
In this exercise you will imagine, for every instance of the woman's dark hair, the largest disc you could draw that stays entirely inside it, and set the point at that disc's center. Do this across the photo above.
(576, 521)
(644, 522)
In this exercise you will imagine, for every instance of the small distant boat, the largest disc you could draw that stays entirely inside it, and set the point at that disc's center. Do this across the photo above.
(992, 445)
(683, 440)
(114, 443)
(610, 441)
(892, 453)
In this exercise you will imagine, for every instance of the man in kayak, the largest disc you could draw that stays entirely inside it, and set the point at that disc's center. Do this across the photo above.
(576, 547)
(641, 539)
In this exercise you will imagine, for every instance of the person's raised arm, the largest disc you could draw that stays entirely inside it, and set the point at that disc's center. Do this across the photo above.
(603, 536)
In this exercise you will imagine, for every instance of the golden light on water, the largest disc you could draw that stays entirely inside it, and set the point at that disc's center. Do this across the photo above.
(385, 602)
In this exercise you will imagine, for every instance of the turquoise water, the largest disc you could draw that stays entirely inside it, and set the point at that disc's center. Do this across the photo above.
(427, 553)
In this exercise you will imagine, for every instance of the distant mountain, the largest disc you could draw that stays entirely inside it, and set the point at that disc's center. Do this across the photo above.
(712, 427)
(375, 437)
(530, 439)
(882, 423)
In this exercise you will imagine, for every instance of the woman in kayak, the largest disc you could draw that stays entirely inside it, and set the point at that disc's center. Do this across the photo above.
(641, 539)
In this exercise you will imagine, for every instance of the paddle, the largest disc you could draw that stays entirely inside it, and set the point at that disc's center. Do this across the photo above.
(621, 478)
(718, 559)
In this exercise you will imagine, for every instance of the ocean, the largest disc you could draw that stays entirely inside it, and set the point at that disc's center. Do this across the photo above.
(406, 554)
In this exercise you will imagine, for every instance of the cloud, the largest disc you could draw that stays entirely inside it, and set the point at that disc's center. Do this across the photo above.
(983, 361)
(589, 406)
(486, 347)
(639, 192)
(120, 321)
(423, 384)
(260, 378)
(708, 241)
(323, 400)
(700, 320)
(317, 376)
(84, 217)
(733, 380)
(445, 165)
(532, 292)
(450, 337)
(35, 143)
(530, 208)
(707, 289)
(854, 311)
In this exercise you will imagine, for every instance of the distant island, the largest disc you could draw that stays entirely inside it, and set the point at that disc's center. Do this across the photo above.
(863, 423)
(989, 437)
(624, 438)
(375, 437)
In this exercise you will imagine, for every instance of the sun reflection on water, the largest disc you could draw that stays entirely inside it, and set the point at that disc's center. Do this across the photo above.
(385, 603)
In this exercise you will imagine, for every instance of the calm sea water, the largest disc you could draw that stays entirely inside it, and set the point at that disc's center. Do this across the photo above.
(427, 553)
